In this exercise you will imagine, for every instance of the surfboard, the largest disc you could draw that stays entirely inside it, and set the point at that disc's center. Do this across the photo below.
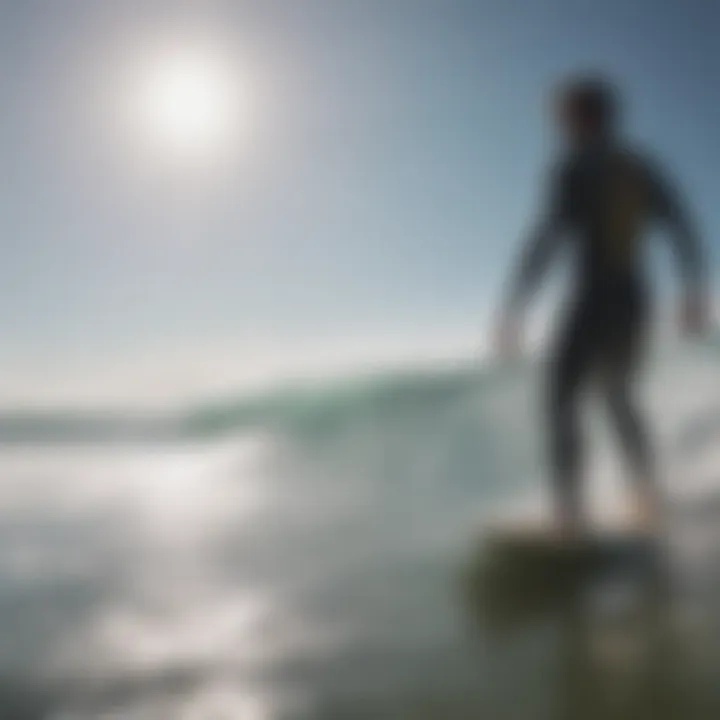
(521, 569)
(535, 547)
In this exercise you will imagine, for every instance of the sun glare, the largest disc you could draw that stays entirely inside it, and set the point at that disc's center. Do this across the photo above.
(190, 104)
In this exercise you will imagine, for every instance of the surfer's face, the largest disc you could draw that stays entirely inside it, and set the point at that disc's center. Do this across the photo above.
(578, 122)
(573, 124)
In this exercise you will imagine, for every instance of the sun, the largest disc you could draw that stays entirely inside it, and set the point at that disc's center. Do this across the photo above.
(190, 103)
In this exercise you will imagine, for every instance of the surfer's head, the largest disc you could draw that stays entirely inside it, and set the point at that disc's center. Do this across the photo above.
(587, 109)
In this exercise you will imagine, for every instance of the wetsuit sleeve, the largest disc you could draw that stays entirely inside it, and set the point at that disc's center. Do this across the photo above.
(543, 242)
(670, 209)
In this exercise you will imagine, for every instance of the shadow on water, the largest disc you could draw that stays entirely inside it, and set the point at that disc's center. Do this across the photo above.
(595, 662)
(633, 642)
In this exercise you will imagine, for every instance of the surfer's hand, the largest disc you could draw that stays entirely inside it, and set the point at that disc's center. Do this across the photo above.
(694, 315)
(508, 336)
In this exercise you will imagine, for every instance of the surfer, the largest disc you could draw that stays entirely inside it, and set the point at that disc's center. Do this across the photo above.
(602, 197)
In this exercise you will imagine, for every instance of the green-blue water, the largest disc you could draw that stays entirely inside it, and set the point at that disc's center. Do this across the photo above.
(309, 553)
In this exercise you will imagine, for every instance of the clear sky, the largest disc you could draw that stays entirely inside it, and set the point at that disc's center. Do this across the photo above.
(371, 181)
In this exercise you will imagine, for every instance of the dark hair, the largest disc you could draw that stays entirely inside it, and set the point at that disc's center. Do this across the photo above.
(592, 99)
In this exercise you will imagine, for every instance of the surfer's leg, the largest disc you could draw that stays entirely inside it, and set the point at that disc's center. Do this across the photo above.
(622, 362)
(631, 429)
(633, 437)
(567, 372)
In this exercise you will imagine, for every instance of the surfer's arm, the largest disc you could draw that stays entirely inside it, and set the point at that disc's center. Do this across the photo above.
(689, 252)
(672, 211)
(540, 248)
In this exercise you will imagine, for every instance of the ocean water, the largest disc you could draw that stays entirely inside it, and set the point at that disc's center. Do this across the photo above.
(309, 553)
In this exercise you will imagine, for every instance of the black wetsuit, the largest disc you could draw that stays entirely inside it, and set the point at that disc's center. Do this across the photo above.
(602, 201)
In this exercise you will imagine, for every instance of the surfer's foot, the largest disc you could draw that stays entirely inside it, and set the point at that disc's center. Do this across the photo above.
(570, 528)
(646, 513)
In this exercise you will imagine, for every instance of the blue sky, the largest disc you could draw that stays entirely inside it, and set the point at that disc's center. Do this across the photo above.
(387, 170)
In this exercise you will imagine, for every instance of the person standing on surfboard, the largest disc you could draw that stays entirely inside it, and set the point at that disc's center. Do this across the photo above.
(602, 197)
